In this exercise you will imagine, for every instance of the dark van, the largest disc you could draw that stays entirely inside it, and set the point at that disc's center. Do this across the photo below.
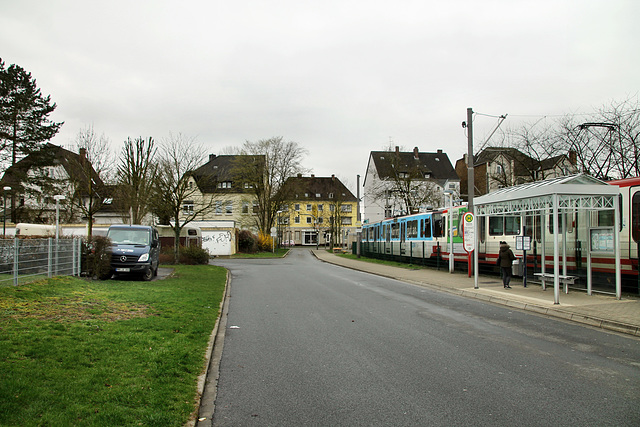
(135, 249)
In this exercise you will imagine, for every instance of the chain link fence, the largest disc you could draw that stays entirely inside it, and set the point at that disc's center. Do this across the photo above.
(28, 260)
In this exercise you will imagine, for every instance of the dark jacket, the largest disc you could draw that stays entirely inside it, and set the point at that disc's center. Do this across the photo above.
(506, 255)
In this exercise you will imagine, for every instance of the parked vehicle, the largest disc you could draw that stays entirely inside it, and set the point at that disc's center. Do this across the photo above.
(135, 249)
(189, 236)
(35, 230)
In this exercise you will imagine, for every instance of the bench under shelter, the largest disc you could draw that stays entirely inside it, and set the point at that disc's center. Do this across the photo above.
(550, 199)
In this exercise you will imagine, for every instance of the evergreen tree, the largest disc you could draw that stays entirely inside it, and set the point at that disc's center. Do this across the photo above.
(24, 114)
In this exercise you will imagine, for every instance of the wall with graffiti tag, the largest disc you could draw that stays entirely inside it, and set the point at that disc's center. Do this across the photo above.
(218, 242)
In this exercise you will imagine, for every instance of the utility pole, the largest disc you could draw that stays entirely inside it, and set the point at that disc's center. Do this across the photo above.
(470, 173)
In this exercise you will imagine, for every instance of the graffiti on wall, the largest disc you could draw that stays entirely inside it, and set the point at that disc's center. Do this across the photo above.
(217, 242)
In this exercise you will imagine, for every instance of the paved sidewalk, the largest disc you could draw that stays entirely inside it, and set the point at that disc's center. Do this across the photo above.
(603, 311)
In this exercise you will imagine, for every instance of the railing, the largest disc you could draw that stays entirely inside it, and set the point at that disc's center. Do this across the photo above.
(28, 260)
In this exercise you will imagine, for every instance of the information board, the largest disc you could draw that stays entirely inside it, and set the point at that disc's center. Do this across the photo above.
(468, 231)
(523, 243)
(601, 239)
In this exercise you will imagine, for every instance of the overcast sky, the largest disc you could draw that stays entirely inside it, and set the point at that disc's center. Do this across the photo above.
(341, 78)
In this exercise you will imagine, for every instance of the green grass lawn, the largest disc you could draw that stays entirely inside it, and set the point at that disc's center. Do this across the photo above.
(106, 353)
(383, 262)
(279, 253)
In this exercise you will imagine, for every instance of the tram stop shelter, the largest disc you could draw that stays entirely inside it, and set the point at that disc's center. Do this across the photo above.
(551, 198)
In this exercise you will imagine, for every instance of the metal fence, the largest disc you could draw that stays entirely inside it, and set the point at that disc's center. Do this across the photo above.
(27, 260)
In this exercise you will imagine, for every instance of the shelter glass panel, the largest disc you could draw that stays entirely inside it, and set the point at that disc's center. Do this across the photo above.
(533, 227)
(496, 225)
(512, 225)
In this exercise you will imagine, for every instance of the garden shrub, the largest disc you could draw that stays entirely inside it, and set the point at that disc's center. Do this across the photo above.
(193, 255)
(265, 242)
(96, 256)
(247, 242)
(188, 255)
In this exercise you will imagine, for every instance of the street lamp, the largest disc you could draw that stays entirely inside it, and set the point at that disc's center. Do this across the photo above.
(278, 225)
(4, 218)
(450, 194)
(58, 197)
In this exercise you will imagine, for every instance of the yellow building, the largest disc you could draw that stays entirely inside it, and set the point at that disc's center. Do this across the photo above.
(319, 211)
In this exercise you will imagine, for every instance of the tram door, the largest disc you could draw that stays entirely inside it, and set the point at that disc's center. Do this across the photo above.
(634, 221)
(481, 229)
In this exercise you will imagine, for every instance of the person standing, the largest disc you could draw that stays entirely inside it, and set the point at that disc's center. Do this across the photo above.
(506, 258)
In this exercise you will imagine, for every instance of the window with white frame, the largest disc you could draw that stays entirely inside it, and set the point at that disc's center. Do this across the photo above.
(245, 207)
(297, 206)
(187, 207)
(345, 208)
(320, 207)
(297, 220)
(218, 208)
(308, 220)
(346, 220)
(229, 207)
(309, 207)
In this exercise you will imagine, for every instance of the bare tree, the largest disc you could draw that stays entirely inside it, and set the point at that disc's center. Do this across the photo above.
(93, 166)
(607, 143)
(136, 175)
(625, 118)
(176, 184)
(265, 167)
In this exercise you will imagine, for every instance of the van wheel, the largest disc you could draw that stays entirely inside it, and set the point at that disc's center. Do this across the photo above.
(148, 274)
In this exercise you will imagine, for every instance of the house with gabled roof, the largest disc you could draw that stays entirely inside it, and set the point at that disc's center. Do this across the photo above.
(319, 211)
(398, 183)
(501, 167)
(50, 171)
(234, 198)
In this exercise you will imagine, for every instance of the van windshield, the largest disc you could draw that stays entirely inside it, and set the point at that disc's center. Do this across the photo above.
(129, 237)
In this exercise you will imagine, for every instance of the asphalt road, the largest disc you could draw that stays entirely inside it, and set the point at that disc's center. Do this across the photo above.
(309, 343)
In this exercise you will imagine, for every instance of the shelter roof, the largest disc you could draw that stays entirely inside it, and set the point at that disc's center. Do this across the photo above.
(575, 191)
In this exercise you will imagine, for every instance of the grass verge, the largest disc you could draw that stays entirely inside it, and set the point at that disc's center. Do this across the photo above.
(383, 262)
(106, 353)
(279, 253)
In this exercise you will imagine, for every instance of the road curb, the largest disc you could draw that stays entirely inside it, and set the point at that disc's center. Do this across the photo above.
(207, 412)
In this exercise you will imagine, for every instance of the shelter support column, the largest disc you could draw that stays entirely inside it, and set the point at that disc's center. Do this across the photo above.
(556, 257)
(616, 245)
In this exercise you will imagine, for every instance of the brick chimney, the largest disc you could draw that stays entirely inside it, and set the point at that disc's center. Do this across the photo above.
(397, 149)
(212, 157)
(415, 153)
(573, 157)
